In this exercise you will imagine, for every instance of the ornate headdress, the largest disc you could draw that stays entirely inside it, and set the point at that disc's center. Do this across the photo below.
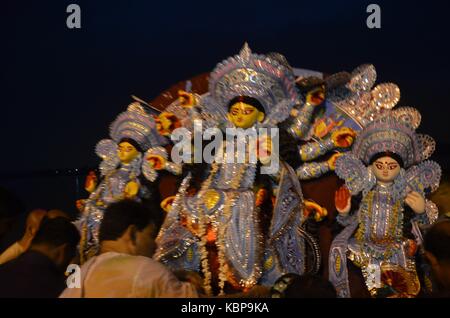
(354, 95)
(138, 125)
(135, 124)
(268, 79)
(390, 134)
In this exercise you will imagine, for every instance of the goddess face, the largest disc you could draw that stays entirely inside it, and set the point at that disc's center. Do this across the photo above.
(244, 116)
(127, 152)
(386, 169)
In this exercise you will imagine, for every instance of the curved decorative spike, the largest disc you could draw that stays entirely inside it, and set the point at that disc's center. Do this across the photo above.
(137, 108)
(363, 78)
(337, 79)
(245, 52)
(280, 58)
(408, 115)
(106, 148)
(385, 95)
(424, 175)
(428, 145)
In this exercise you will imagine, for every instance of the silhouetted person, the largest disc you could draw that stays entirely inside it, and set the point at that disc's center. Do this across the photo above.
(32, 225)
(54, 213)
(39, 272)
(437, 252)
(124, 268)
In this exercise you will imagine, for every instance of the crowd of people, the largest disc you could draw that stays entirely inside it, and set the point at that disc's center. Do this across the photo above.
(36, 265)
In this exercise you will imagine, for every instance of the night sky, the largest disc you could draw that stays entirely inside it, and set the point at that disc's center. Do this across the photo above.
(61, 88)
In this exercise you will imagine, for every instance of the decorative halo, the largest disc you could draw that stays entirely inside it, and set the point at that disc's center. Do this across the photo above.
(363, 78)
(408, 115)
(428, 145)
(385, 95)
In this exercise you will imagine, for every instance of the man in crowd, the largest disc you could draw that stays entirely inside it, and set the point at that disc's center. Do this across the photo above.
(40, 271)
(124, 267)
(437, 252)
(32, 224)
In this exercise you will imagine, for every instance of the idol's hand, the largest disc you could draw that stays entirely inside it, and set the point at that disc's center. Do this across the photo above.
(310, 207)
(80, 204)
(261, 196)
(343, 137)
(166, 122)
(166, 204)
(316, 96)
(342, 200)
(156, 162)
(332, 160)
(416, 202)
(91, 182)
(186, 99)
(131, 190)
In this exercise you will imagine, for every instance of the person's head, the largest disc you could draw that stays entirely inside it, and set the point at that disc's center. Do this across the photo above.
(303, 286)
(33, 222)
(128, 150)
(437, 252)
(244, 111)
(130, 227)
(57, 238)
(54, 213)
(386, 166)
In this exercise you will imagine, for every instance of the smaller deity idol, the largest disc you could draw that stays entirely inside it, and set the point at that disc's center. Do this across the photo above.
(131, 159)
(378, 236)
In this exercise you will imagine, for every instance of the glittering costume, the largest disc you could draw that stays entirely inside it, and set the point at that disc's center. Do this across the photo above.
(231, 221)
(374, 237)
(135, 126)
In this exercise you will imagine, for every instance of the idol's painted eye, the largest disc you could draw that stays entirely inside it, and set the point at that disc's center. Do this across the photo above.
(248, 111)
(234, 111)
(392, 166)
(378, 165)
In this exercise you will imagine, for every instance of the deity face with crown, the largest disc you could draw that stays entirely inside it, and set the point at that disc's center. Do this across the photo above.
(244, 112)
(131, 159)
(247, 90)
(219, 222)
(385, 169)
(127, 152)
